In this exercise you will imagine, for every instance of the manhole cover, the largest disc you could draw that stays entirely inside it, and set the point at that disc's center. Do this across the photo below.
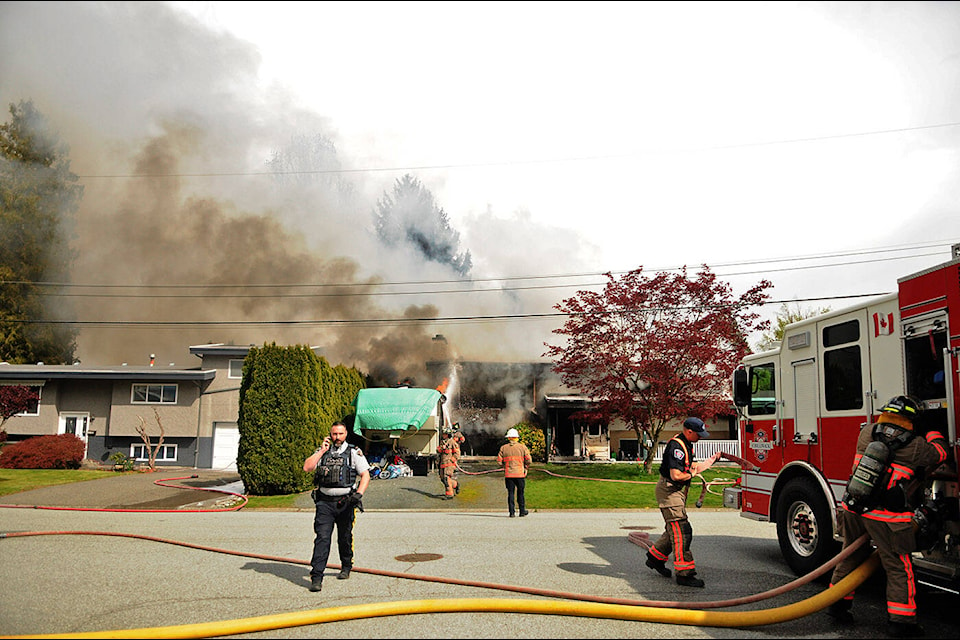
(418, 557)
(638, 528)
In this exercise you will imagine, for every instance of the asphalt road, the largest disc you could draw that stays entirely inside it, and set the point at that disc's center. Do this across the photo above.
(60, 582)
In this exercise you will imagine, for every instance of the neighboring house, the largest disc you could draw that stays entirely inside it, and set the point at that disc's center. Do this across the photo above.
(580, 439)
(198, 407)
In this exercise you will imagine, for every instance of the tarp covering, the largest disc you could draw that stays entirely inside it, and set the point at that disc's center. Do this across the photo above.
(391, 409)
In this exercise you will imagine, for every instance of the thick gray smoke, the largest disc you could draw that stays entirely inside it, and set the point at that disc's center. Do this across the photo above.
(195, 174)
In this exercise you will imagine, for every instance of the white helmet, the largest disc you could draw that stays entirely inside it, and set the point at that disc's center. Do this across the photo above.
(513, 433)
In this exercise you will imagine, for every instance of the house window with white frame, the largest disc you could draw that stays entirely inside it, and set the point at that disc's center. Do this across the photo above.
(166, 453)
(154, 394)
(235, 369)
(34, 408)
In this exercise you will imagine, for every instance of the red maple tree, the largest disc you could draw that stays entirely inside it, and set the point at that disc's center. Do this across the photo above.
(650, 350)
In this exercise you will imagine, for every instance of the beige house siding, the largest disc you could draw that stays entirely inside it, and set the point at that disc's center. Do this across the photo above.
(179, 420)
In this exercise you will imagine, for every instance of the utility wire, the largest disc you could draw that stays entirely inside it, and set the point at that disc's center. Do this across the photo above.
(475, 319)
(723, 147)
(340, 294)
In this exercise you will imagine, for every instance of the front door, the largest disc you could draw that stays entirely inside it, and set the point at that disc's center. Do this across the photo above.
(75, 423)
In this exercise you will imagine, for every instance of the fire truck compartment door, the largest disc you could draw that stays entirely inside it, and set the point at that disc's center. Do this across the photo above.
(805, 401)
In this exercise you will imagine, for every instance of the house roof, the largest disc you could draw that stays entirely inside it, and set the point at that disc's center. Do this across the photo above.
(219, 348)
(123, 372)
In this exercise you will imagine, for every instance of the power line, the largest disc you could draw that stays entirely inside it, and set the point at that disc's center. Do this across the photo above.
(474, 319)
(471, 165)
(342, 294)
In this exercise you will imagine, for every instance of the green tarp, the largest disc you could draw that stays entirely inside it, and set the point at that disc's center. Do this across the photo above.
(391, 409)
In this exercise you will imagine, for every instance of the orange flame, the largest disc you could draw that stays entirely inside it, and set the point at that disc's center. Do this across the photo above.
(442, 387)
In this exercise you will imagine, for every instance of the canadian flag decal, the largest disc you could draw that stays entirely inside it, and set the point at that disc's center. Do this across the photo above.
(882, 324)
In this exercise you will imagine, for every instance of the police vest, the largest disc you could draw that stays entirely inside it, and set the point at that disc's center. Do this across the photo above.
(335, 471)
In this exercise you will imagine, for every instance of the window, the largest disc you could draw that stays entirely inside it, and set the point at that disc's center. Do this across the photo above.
(841, 333)
(235, 369)
(763, 390)
(842, 379)
(924, 362)
(154, 394)
(34, 408)
(842, 375)
(166, 453)
(594, 429)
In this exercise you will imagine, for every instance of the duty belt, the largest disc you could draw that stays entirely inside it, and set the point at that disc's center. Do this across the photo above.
(319, 495)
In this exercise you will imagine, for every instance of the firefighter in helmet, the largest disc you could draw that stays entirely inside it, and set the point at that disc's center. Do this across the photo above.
(879, 501)
(449, 452)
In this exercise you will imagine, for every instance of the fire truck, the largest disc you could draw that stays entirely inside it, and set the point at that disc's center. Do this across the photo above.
(801, 407)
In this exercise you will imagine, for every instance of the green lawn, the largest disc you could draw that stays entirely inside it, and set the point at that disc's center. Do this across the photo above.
(609, 486)
(612, 486)
(16, 480)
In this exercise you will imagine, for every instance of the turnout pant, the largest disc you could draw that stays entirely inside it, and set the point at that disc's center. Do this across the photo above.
(328, 514)
(894, 542)
(448, 478)
(678, 534)
(516, 485)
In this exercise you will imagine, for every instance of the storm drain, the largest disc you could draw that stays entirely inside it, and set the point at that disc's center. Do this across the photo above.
(418, 557)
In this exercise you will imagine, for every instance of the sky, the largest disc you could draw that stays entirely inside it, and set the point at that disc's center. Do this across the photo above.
(563, 140)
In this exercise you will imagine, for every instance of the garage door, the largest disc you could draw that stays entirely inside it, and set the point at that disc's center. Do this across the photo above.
(226, 440)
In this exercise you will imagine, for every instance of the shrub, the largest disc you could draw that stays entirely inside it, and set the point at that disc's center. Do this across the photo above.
(64, 451)
(532, 436)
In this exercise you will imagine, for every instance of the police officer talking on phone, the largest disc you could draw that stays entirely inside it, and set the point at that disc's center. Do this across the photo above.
(341, 474)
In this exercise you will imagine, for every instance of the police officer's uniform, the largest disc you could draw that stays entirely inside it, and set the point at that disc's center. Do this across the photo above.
(335, 507)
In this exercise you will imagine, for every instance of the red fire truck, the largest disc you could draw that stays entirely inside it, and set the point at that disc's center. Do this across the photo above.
(801, 407)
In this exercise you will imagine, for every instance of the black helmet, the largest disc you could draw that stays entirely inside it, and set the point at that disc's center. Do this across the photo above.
(904, 406)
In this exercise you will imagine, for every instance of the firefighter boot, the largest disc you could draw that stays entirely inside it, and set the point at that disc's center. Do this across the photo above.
(689, 581)
(658, 565)
(904, 630)
(840, 612)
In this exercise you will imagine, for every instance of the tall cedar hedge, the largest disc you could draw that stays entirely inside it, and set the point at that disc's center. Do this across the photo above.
(289, 397)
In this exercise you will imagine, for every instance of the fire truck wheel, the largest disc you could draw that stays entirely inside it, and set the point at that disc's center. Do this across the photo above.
(804, 527)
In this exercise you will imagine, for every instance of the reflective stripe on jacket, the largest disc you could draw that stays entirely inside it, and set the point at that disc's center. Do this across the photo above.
(515, 458)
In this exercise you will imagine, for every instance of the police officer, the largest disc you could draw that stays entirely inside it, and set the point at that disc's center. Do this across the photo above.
(676, 471)
(342, 474)
(449, 451)
(886, 514)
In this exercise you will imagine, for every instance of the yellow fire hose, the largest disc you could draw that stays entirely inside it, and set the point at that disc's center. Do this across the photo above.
(500, 605)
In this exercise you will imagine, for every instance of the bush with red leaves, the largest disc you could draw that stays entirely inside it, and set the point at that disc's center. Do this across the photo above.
(64, 451)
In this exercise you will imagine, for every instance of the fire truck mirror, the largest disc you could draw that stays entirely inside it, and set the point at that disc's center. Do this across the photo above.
(741, 387)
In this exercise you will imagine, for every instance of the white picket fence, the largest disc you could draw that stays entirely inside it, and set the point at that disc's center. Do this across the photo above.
(703, 449)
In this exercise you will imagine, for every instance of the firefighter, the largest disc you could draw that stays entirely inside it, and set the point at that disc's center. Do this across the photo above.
(516, 461)
(676, 471)
(879, 503)
(449, 451)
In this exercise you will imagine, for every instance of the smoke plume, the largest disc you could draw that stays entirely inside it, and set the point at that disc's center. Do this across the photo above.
(213, 210)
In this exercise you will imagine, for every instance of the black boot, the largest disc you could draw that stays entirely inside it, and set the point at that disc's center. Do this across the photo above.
(658, 565)
(904, 630)
(840, 612)
(690, 581)
(316, 584)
